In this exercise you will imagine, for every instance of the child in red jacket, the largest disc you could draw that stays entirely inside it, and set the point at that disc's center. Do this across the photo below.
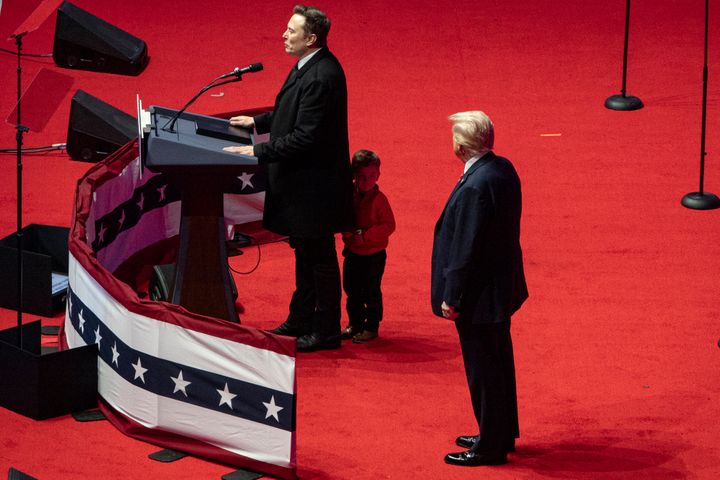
(364, 251)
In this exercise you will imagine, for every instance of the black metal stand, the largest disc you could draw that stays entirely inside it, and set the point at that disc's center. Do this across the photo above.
(37, 382)
(701, 200)
(622, 101)
(19, 139)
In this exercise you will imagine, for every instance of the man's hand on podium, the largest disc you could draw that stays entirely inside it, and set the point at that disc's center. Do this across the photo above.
(241, 149)
(242, 121)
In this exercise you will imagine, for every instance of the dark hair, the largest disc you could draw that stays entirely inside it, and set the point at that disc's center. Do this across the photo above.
(365, 158)
(316, 22)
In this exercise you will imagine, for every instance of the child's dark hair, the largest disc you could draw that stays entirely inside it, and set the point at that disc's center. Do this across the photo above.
(365, 158)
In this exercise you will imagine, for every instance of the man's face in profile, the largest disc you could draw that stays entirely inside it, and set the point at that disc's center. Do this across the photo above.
(297, 43)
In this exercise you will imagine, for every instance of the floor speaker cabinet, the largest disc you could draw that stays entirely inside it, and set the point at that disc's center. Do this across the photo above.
(86, 42)
(45, 269)
(96, 129)
(42, 386)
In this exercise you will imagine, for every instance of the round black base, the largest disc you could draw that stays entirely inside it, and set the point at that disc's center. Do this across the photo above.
(701, 201)
(621, 102)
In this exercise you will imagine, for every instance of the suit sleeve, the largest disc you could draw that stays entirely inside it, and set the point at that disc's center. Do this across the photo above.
(317, 99)
(470, 220)
(263, 122)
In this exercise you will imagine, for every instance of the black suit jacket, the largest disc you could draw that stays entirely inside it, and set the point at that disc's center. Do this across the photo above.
(309, 190)
(477, 262)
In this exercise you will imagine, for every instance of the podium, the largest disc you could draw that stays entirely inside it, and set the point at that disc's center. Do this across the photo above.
(191, 155)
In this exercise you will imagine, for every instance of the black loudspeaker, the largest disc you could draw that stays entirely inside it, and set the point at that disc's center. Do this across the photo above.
(97, 129)
(84, 41)
(45, 269)
(18, 475)
(40, 384)
(163, 280)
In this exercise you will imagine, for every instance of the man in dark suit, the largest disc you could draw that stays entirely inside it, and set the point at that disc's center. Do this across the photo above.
(478, 281)
(309, 191)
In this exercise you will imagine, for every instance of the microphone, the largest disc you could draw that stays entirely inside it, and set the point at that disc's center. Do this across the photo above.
(255, 67)
(237, 72)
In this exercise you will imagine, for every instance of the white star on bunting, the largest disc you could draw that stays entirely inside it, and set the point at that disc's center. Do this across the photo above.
(115, 354)
(180, 383)
(98, 337)
(81, 321)
(139, 371)
(101, 233)
(272, 409)
(245, 179)
(226, 397)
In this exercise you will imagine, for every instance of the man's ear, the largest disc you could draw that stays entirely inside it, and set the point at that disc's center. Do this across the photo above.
(311, 41)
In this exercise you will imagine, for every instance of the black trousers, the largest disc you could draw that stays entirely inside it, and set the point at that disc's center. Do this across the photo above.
(315, 303)
(362, 276)
(490, 369)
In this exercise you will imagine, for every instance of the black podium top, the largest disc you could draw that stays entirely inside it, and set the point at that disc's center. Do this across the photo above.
(196, 144)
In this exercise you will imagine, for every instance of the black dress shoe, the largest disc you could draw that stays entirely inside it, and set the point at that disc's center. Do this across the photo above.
(289, 330)
(467, 441)
(315, 341)
(473, 459)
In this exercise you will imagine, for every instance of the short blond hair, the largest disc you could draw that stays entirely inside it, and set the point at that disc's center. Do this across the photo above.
(473, 130)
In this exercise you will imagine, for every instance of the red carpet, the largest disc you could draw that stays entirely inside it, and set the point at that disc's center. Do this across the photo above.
(616, 349)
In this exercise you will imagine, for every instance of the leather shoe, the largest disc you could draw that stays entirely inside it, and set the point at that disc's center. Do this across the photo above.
(315, 341)
(467, 441)
(289, 330)
(350, 331)
(474, 459)
(365, 336)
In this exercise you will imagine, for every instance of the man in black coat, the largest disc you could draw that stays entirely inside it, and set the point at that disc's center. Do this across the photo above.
(309, 191)
(478, 281)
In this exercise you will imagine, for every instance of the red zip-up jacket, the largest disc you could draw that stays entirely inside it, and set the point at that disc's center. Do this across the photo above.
(374, 220)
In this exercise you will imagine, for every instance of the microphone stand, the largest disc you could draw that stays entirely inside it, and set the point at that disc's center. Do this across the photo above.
(21, 129)
(702, 200)
(170, 125)
(623, 102)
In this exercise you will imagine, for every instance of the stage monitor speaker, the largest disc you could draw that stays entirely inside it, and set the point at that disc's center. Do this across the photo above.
(86, 42)
(97, 129)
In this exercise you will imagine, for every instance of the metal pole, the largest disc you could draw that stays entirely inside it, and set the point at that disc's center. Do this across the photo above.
(625, 48)
(19, 233)
(703, 153)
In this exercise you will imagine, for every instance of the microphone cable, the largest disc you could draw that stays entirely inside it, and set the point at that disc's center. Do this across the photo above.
(257, 263)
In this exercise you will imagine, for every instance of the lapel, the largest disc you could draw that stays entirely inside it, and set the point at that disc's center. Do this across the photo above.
(296, 74)
(474, 168)
(290, 80)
